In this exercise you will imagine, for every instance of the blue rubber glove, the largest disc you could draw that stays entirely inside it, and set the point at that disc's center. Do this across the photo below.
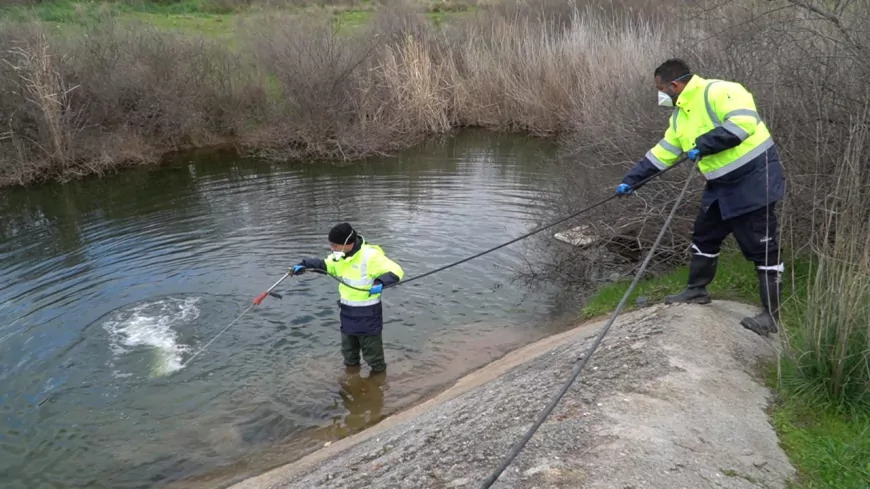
(694, 154)
(376, 289)
(297, 270)
(623, 189)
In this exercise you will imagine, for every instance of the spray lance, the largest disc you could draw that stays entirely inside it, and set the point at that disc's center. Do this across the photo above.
(259, 299)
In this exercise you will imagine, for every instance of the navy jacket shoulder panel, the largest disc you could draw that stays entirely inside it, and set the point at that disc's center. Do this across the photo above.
(388, 278)
(715, 141)
(315, 263)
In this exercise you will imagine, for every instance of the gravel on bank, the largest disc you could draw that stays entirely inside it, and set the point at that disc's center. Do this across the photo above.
(670, 400)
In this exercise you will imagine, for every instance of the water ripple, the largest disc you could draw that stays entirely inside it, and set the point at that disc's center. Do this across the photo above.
(107, 286)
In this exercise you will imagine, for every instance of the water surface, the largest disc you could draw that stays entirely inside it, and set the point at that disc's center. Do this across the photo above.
(108, 285)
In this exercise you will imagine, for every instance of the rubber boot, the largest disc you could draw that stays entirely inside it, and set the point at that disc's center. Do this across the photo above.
(702, 269)
(765, 322)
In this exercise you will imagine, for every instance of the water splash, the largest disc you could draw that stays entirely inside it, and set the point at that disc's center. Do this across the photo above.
(151, 325)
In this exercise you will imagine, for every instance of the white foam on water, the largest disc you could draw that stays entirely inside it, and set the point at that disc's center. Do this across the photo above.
(150, 325)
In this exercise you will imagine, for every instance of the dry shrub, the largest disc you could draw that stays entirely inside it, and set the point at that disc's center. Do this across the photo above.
(808, 65)
(398, 19)
(413, 72)
(609, 119)
(420, 85)
(297, 86)
(809, 74)
(168, 87)
(36, 100)
(68, 100)
(819, 98)
(527, 72)
(323, 101)
(561, 14)
(305, 3)
(343, 95)
(225, 6)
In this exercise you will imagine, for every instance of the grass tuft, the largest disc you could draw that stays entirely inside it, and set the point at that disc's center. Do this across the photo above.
(735, 280)
(829, 448)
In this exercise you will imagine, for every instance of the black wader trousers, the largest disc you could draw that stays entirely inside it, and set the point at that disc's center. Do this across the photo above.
(755, 233)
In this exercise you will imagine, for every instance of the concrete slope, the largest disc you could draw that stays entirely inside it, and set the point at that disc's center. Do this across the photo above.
(670, 400)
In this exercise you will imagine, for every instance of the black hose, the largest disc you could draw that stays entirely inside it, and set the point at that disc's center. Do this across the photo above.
(519, 238)
(585, 359)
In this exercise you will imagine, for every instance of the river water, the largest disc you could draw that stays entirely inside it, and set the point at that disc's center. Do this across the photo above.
(108, 285)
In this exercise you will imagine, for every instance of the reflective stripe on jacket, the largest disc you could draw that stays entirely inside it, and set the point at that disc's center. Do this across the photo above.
(739, 158)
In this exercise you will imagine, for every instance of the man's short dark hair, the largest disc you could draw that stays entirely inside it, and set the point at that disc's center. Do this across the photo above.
(672, 69)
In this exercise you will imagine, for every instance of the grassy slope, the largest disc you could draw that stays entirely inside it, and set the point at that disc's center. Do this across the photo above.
(734, 280)
(830, 447)
(192, 16)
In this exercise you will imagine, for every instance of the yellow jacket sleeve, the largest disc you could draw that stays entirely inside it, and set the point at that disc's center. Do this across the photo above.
(330, 265)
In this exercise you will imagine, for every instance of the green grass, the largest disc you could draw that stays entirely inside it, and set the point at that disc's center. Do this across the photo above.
(353, 18)
(830, 449)
(735, 280)
(59, 11)
(76, 10)
(211, 25)
(184, 7)
(828, 445)
(201, 17)
(186, 16)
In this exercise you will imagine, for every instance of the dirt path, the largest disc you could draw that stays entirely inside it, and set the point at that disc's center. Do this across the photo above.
(670, 401)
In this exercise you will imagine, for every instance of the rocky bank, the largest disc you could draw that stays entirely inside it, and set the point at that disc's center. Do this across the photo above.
(670, 400)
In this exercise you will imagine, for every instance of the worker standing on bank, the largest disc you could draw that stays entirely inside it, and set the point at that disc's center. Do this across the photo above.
(367, 270)
(716, 124)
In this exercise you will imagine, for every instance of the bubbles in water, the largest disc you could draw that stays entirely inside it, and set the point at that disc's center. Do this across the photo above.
(151, 325)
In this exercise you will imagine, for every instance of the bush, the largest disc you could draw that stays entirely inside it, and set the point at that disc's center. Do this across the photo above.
(116, 94)
(830, 340)
(809, 69)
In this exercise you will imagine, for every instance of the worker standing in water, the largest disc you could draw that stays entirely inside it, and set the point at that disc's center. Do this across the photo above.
(367, 270)
(716, 124)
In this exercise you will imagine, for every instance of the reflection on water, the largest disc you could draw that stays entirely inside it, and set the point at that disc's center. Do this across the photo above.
(108, 285)
(363, 400)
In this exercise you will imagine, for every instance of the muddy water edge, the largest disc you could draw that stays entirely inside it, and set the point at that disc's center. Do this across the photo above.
(108, 285)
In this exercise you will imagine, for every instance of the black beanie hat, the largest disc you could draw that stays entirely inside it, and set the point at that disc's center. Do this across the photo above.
(342, 234)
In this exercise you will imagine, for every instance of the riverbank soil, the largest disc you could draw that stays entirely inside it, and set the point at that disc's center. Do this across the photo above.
(671, 399)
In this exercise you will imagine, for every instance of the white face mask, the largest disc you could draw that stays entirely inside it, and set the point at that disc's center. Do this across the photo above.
(665, 100)
(338, 255)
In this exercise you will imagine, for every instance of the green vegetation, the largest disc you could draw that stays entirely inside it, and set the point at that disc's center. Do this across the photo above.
(208, 17)
(735, 280)
(830, 449)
